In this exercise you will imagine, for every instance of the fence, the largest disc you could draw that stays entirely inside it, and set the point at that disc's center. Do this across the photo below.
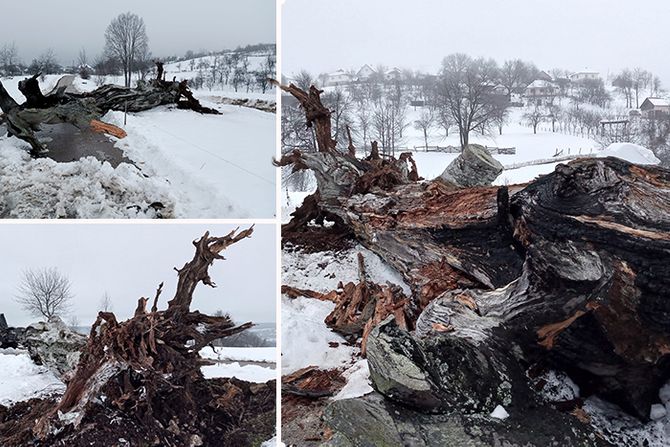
(457, 149)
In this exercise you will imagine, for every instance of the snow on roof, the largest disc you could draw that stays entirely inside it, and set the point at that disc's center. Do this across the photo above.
(540, 83)
(658, 102)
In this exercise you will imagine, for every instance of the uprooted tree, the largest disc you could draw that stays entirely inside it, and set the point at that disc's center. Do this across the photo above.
(141, 379)
(85, 110)
(568, 272)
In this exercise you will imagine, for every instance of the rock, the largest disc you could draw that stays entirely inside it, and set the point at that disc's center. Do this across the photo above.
(55, 346)
(473, 167)
(9, 337)
(374, 421)
(658, 411)
(438, 374)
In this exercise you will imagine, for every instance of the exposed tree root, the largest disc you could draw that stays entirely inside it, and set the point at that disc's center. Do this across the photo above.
(145, 372)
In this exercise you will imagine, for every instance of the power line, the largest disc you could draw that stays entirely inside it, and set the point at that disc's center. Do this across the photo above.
(190, 143)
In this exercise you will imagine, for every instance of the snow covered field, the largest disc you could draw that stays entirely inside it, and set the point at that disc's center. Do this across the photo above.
(195, 166)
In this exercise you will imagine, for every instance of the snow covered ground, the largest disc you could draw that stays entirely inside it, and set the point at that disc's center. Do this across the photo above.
(306, 340)
(250, 373)
(250, 364)
(267, 355)
(196, 166)
(21, 379)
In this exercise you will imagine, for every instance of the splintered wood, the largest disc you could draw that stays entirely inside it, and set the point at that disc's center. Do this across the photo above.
(360, 306)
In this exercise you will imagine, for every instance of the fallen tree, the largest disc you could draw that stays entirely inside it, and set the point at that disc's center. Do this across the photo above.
(140, 379)
(566, 272)
(85, 110)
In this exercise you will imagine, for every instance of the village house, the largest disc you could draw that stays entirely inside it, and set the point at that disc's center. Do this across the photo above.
(393, 74)
(584, 75)
(365, 72)
(339, 77)
(540, 92)
(655, 108)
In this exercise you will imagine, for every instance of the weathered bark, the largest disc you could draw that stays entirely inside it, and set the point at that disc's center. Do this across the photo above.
(148, 368)
(569, 269)
(316, 114)
(83, 109)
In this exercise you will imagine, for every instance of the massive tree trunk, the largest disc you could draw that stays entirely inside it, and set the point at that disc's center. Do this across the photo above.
(568, 272)
(81, 109)
(145, 372)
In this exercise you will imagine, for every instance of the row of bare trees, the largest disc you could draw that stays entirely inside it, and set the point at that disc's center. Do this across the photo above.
(633, 84)
(231, 69)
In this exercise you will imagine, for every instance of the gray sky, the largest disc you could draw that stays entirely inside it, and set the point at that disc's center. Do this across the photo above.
(173, 27)
(130, 260)
(324, 35)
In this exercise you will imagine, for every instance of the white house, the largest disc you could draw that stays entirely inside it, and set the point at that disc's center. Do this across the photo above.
(339, 77)
(584, 74)
(393, 74)
(539, 90)
(365, 72)
(655, 108)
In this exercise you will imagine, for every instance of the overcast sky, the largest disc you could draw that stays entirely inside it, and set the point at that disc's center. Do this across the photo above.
(173, 27)
(129, 261)
(324, 35)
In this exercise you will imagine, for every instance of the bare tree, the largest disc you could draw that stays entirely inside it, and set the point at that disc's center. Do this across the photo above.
(44, 292)
(106, 303)
(73, 321)
(641, 80)
(425, 124)
(84, 69)
(465, 91)
(125, 39)
(515, 75)
(46, 63)
(624, 85)
(533, 118)
(9, 59)
(304, 80)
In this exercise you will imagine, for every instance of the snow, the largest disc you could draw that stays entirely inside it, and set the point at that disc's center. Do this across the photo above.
(630, 152)
(306, 338)
(21, 379)
(358, 381)
(250, 373)
(557, 387)
(273, 443)
(87, 188)
(322, 271)
(499, 413)
(620, 428)
(268, 355)
(218, 165)
(524, 174)
(230, 363)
